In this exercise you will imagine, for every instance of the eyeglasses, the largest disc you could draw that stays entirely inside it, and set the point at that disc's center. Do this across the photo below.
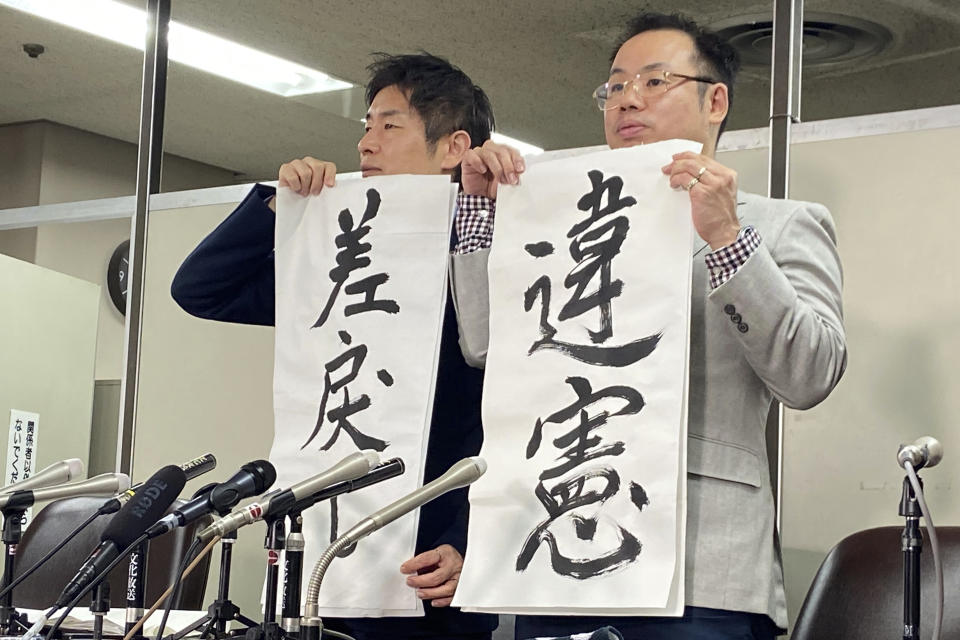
(651, 84)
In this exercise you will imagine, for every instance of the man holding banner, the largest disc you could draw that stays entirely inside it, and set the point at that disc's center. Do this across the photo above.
(424, 114)
(766, 323)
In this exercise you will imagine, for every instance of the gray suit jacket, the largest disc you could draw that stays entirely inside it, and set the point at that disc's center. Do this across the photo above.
(774, 330)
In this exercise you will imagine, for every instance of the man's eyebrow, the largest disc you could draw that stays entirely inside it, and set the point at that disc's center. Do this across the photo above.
(386, 114)
(649, 67)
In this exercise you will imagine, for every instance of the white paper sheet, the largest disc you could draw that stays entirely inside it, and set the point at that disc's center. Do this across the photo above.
(622, 555)
(22, 441)
(392, 345)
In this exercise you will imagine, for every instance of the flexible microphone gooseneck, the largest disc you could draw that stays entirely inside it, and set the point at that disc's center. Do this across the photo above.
(461, 474)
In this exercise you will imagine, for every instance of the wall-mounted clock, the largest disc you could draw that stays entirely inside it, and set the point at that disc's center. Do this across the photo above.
(117, 271)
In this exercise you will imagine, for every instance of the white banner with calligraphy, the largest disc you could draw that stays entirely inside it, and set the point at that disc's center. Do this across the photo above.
(583, 507)
(361, 289)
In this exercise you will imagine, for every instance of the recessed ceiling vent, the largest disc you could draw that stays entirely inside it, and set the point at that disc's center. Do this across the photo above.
(828, 38)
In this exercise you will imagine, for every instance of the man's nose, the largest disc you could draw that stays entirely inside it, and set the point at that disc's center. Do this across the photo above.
(368, 143)
(632, 99)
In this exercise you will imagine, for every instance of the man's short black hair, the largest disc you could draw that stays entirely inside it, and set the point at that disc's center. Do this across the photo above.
(444, 96)
(717, 58)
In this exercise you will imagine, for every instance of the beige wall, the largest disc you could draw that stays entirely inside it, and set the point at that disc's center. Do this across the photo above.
(79, 165)
(21, 149)
(204, 386)
(82, 250)
(57, 163)
(48, 339)
(902, 310)
(19, 243)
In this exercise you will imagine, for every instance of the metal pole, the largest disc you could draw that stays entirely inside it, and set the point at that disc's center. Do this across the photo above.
(784, 111)
(148, 182)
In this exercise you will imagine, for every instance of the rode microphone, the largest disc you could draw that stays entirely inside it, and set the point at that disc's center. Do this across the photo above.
(148, 504)
(57, 473)
(253, 478)
(352, 466)
(105, 484)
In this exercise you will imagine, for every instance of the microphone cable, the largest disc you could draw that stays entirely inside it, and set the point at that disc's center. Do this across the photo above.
(934, 545)
(29, 572)
(93, 583)
(163, 596)
(175, 587)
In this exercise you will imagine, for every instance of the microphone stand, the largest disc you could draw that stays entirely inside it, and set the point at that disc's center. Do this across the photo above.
(274, 544)
(99, 607)
(136, 587)
(293, 577)
(911, 543)
(10, 620)
(223, 610)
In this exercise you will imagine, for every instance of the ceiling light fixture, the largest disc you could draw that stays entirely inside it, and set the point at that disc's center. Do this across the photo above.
(127, 25)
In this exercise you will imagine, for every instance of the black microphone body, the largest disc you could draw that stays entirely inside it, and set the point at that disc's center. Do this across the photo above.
(148, 504)
(253, 478)
(384, 471)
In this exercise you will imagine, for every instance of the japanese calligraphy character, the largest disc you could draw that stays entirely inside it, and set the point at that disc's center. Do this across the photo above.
(340, 416)
(350, 258)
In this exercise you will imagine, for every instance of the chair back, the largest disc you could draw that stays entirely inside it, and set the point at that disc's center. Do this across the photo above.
(55, 521)
(858, 592)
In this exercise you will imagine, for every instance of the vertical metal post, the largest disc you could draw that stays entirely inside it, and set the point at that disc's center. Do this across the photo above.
(149, 158)
(784, 111)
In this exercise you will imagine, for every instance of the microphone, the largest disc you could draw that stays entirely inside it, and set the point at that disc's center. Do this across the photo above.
(924, 452)
(461, 474)
(57, 473)
(149, 503)
(106, 484)
(191, 469)
(199, 466)
(384, 471)
(253, 478)
(351, 467)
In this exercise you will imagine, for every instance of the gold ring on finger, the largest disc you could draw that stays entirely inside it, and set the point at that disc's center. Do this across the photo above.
(691, 184)
(701, 172)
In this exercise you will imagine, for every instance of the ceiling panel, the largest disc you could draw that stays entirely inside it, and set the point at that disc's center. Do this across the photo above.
(538, 60)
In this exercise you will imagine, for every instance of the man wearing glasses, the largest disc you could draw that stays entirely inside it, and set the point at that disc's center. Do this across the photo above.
(766, 323)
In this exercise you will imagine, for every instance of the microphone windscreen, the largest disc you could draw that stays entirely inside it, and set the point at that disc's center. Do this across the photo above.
(147, 505)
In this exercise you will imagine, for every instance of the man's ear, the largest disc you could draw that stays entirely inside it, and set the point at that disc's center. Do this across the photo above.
(453, 149)
(718, 102)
